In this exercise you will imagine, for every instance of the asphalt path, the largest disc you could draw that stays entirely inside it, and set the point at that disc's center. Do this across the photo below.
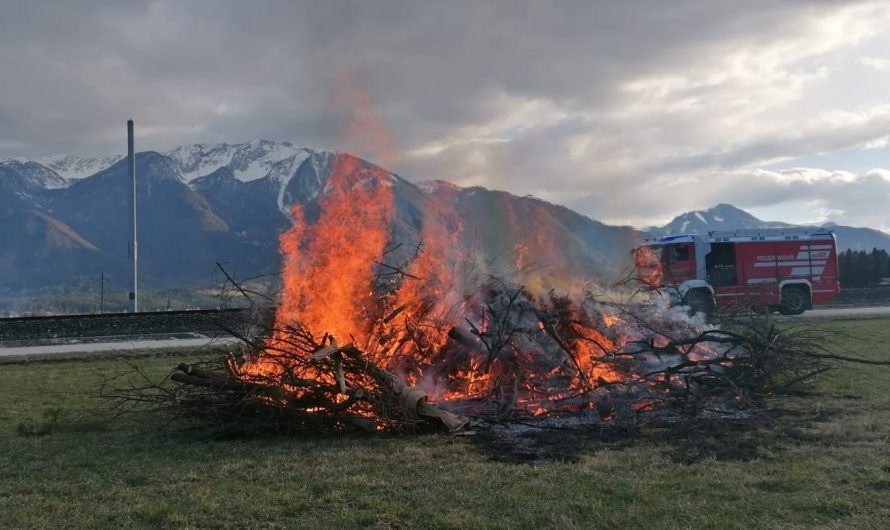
(120, 345)
(846, 312)
(154, 344)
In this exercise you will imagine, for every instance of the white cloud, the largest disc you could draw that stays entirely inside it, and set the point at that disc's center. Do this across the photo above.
(880, 64)
(812, 194)
(881, 173)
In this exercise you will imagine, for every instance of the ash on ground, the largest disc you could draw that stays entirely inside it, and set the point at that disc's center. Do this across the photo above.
(565, 436)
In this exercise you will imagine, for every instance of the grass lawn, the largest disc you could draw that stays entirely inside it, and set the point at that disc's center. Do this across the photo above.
(824, 461)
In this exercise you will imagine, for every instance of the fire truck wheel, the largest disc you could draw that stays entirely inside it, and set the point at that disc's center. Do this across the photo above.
(794, 301)
(700, 301)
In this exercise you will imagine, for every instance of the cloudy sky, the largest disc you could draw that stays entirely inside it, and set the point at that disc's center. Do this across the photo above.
(630, 112)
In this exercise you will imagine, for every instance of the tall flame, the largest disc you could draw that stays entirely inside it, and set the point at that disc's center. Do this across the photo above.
(433, 315)
(328, 261)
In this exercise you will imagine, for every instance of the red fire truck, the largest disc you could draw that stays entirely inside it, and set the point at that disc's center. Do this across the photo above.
(787, 269)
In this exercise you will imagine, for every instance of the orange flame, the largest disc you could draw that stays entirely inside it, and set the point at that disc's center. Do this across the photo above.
(649, 266)
(335, 253)
(328, 263)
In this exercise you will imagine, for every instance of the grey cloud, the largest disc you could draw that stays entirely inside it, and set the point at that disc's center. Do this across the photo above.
(854, 199)
(202, 71)
(793, 143)
(433, 65)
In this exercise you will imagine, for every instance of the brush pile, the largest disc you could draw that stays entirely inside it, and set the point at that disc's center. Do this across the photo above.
(346, 391)
(516, 357)
(373, 332)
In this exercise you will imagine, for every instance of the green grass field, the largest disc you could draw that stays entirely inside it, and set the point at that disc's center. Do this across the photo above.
(824, 461)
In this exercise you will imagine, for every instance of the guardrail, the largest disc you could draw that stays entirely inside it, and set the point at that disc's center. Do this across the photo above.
(117, 324)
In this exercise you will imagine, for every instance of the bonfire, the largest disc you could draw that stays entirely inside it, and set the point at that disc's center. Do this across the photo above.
(379, 332)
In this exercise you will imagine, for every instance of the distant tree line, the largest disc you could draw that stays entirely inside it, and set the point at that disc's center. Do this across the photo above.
(861, 268)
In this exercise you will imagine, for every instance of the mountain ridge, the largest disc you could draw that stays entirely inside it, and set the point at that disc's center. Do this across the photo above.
(249, 160)
(206, 203)
(725, 216)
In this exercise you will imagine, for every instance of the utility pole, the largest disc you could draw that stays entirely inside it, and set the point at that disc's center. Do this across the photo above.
(134, 254)
(102, 293)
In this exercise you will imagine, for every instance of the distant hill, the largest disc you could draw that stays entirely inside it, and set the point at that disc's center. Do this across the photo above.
(228, 203)
(65, 218)
(728, 217)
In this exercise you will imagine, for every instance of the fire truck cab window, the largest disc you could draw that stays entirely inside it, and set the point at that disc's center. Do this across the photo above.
(677, 253)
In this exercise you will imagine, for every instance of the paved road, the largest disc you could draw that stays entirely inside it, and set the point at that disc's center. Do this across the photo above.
(847, 312)
(123, 346)
(151, 344)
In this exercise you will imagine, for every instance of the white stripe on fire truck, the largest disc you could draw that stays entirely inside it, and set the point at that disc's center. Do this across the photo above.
(820, 254)
(799, 271)
(816, 247)
(789, 263)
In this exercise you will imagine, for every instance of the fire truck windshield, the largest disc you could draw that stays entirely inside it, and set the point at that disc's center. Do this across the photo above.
(676, 253)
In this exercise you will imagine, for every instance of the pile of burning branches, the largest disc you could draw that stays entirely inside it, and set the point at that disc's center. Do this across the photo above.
(306, 386)
(373, 335)
(514, 356)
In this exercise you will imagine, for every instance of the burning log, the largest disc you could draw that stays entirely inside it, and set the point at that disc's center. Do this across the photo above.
(227, 397)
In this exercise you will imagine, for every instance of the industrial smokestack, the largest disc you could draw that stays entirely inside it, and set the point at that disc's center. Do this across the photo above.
(131, 166)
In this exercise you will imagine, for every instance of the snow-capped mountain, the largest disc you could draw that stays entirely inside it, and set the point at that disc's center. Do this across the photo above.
(720, 217)
(197, 205)
(248, 161)
(728, 217)
(74, 168)
(30, 175)
(208, 203)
